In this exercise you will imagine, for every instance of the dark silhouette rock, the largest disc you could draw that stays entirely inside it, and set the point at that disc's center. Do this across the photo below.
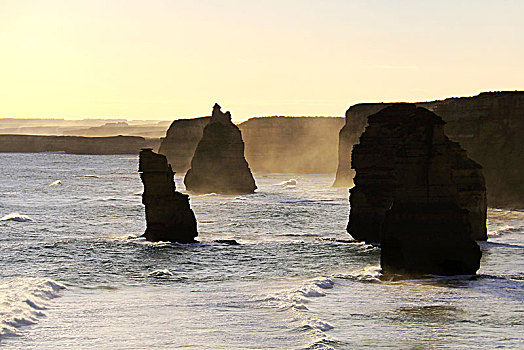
(218, 165)
(488, 126)
(168, 214)
(410, 184)
(181, 140)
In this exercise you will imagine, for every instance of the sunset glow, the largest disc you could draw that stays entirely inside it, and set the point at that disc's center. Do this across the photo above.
(169, 59)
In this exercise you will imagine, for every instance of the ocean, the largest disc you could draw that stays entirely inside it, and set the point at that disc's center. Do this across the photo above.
(75, 276)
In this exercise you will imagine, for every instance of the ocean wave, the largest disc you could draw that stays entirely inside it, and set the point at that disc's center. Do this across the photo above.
(287, 183)
(295, 301)
(23, 302)
(367, 274)
(505, 229)
(16, 217)
(160, 273)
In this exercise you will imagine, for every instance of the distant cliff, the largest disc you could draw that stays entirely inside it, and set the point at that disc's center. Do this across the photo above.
(75, 144)
(292, 144)
(489, 126)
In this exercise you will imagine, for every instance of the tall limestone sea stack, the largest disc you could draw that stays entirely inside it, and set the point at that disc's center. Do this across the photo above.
(168, 214)
(218, 165)
(412, 194)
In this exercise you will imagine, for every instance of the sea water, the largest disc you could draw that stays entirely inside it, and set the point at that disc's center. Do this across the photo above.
(75, 276)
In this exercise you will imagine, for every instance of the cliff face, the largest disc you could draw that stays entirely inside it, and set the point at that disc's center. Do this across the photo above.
(168, 214)
(75, 145)
(181, 140)
(408, 198)
(488, 126)
(291, 144)
(218, 165)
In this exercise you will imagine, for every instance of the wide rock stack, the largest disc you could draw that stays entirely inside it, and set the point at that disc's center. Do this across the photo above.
(218, 165)
(488, 126)
(168, 214)
(411, 190)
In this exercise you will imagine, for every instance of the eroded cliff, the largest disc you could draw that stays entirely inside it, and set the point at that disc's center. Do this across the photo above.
(305, 145)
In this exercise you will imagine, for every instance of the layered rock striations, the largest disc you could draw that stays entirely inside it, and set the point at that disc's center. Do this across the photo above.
(409, 193)
(488, 126)
(168, 214)
(181, 140)
(218, 165)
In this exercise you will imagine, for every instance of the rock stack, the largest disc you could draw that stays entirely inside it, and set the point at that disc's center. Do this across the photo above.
(168, 214)
(218, 165)
(417, 193)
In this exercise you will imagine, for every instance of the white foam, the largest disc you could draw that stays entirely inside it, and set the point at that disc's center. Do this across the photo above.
(16, 217)
(324, 283)
(300, 307)
(55, 183)
(23, 301)
(311, 292)
(321, 325)
(161, 273)
(367, 274)
(289, 183)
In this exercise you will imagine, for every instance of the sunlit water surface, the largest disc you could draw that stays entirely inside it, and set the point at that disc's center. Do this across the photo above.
(73, 277)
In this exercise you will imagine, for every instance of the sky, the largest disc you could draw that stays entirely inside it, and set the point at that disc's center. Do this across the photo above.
(168, 59)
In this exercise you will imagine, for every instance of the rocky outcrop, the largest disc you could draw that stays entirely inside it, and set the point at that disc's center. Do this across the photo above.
(407, 195)
(168, 214)
(75, 145)
(489, 127)
(218, 165)
(306, 145)
(181, 140)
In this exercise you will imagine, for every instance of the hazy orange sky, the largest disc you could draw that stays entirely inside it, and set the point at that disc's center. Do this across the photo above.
(167, 59)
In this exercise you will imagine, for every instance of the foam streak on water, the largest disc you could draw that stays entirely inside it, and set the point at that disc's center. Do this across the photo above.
(23, 302)
(294, 282)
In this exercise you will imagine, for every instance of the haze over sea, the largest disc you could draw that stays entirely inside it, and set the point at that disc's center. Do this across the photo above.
(75, 277)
